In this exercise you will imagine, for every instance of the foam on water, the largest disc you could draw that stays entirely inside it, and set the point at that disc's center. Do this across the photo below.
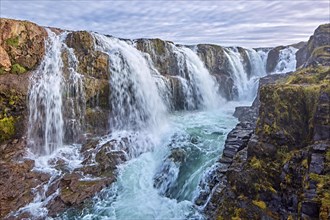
(133, 195)
(287, 60)
(141, 125)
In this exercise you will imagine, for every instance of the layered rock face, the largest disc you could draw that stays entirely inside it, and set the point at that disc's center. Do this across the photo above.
(94, 66)
(283, 170)
(22, 49)
(317, 50)
(217, 63)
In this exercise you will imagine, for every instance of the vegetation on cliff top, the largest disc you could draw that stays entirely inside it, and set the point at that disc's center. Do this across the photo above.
(281, 161)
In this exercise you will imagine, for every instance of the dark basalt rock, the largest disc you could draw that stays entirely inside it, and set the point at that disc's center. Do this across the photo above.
(273, 58)
(317, 49)
(281, 173)
(316, 163)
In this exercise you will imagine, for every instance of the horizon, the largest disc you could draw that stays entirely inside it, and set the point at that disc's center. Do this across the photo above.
(225, 23)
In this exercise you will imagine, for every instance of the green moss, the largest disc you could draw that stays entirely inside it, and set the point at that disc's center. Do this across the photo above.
(321, 52)
(2, 70)
(260, 204)
(18, 69)
(310, 75)
(255, 163)
(7, 128)
(327, 155)
(160, 46)
(304, 163)
(14, 41)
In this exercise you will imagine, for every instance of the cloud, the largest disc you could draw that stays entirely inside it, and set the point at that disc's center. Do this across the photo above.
(245, 23)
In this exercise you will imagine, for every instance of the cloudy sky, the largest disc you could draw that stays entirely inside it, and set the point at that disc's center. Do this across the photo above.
(249, 23)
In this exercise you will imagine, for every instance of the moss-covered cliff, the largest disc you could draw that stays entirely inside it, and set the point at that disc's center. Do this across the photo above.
(286, 173)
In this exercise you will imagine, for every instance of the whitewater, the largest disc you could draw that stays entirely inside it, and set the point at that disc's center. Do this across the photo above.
(170, 150)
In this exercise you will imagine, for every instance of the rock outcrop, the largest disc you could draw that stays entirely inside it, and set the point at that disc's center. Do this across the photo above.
(284, 173)
(215, 60)
(317, 50)
(21, 50)
(94, 66)
(21, 46)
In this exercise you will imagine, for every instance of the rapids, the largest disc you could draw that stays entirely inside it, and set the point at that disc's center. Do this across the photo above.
(169, 151)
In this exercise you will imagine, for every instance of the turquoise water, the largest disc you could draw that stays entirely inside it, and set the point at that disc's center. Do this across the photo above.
(201, 135)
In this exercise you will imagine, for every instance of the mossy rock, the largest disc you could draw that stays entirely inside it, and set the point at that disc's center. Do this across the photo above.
(14, 41)
(24, 43)
(18, 69)
(288, 108)
(7, 128)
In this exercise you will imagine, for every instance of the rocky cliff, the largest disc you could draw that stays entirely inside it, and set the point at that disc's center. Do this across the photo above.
(281, 169)
(316, 51)
(22, 47)
(86, 111)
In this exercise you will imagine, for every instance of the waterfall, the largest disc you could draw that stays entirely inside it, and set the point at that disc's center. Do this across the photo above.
(134, 98)
(205, 84)
(245, 83)
(263, 53)
(287, 60)
(139, 102)
(45, 132)
(237, 72)
(56, 99)
(199, 87)
(258, 68)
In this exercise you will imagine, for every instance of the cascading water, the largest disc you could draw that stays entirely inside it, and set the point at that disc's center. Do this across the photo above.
(245, 83)
(45, 133)
(56, 118)
(154, 183)
(205, 86)
(198, 86)
(287, 60)
(263, 53)
(135, 100)
(257, 64)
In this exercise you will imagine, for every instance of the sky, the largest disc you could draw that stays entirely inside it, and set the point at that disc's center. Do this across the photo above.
(250, 23)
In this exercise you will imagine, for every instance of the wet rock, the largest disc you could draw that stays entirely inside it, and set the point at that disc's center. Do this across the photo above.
(272, 58)
(95, 67)
(215, 60)
(167, 175)
(237, 139)
(16, 185)
(98, 171)
(178, 155)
